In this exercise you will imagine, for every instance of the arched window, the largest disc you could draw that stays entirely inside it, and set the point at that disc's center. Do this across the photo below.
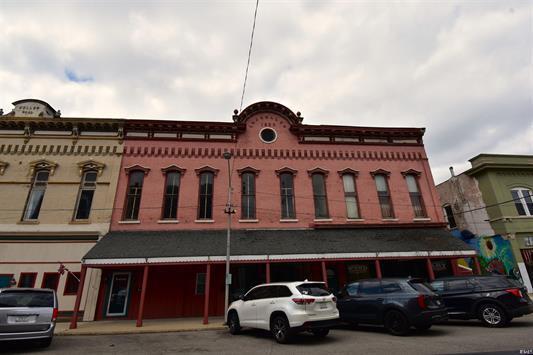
(205, 195)
(85, 195)
(171, 195)
(36, 195)
(248, 195)
(288, 210)
(416, 197)
(133, 195)
(320, 195)
(523, 201)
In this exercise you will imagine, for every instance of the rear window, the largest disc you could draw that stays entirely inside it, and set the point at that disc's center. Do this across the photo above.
(497, 282)
(313, 289)
(26, 299)
(421, 287)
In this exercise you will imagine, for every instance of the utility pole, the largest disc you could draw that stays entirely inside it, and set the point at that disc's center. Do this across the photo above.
(229, 210)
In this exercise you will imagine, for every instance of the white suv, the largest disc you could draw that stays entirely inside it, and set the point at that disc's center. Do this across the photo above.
(285, 308)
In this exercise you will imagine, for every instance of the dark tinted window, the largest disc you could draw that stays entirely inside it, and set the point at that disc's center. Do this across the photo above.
(369, 287)
(313, 289)
(283, 291)
(496, 282)
(438, 285)
(252, 295)
(390, 287)
(26, 299)
(352, 289)
(458, 285)
(421, 287)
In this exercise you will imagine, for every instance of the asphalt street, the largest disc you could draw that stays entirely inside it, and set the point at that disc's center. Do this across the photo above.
(452, 338)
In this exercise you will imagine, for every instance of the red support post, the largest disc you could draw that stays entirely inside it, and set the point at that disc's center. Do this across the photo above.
(431, 274)
(206, 293)
(143, 296)
(476, 265)
(455, 270)
(379, 275)
(324, 273)
(267, 265)
(74, 319)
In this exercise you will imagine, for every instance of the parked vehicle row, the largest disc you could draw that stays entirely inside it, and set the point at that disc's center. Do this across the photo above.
(398, 304)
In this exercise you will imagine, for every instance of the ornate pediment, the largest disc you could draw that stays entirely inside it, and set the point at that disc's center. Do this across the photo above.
(206, 168)
(137, 167)
(380, 172)
(173, 167)
(42, 164)
(91, 165)
(248, 169)
(348, 171)
(286, 169)
(318, 170)
(411, 172)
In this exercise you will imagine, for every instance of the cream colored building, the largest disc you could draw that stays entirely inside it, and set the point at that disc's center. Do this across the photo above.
(58, 179)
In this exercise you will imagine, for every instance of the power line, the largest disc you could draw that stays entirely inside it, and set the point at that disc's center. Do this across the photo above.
(249, 55)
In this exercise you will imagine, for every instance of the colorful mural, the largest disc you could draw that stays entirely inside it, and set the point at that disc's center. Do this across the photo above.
(495, 253)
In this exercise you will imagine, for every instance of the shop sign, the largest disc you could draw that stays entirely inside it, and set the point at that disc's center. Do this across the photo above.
(357, 268)
(439, 265)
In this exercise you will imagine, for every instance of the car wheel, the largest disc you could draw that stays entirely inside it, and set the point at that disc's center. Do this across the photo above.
(320, 332)
(44, 343)
(423, 326)
(233, 323)
(492, 315)
(280, 328)
(396, 323)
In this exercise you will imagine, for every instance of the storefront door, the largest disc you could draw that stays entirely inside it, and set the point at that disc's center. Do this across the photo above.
(118, 294)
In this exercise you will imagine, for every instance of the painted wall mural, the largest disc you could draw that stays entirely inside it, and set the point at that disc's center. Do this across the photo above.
(495, 253)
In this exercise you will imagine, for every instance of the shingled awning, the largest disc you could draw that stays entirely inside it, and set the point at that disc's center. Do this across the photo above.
(306, 244)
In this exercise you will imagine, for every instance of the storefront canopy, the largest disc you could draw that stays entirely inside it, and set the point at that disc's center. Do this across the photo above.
(153, 247)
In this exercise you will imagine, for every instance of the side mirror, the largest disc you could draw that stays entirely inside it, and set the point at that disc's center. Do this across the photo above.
(241, 297)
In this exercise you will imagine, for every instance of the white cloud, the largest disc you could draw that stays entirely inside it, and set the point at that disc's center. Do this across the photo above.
(461, 69)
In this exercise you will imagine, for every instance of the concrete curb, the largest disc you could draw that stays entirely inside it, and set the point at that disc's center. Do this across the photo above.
(134, 331)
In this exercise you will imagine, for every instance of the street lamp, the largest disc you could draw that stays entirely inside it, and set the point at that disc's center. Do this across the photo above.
(229, 210)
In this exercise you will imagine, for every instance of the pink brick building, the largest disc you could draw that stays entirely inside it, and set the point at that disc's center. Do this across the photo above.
(333, 203)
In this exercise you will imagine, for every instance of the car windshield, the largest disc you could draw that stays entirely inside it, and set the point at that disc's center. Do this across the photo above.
(421, 286)
(313, 289)
(26, 299)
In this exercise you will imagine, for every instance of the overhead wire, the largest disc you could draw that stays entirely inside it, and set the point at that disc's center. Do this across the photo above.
(249, 55)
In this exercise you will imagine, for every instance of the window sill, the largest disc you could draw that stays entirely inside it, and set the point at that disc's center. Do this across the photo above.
(323, 220)
(355, 219)
(421, 219)
(248, 220)
(390, 219)
(204, 221)
(288, 220)
(129, 222)
(168, 221)
(28, 222)
(81, 221)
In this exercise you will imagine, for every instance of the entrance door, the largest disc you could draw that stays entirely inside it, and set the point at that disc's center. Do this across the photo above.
(118, 296)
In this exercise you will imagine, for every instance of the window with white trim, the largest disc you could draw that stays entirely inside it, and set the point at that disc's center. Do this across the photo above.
(85, 195)
(523, 201)
(36, 195)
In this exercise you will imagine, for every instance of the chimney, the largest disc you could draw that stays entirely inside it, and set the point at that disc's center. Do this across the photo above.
(451, 171)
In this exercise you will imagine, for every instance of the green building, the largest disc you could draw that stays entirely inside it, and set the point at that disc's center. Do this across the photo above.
(506, 184)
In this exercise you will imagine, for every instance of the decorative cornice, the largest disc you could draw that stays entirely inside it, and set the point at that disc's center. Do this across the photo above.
(317, 170)
(173, 167)
(137, 167)
(91, 165)
(248, 169)
(348, 171)
(267, 107)
(42, 164)
(286, 169)
(411, 172)
(380, 172)
(206, 168)
(3, 166)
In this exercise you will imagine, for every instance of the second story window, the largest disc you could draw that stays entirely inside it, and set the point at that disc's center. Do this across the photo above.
(350, 196)
(416, 196)
(287, 196)
(448, 214)
(319, 195)
(133, 195)
(523, 201)
(205, 196)
(85, 195)
(248, 195)
(384, 197)
(36, 195)
(171, 195)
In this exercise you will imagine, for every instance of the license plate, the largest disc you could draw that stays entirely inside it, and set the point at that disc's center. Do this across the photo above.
(21, 319)
(323, 305)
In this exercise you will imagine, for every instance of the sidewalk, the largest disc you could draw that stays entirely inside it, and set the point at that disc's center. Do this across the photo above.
(149, 326)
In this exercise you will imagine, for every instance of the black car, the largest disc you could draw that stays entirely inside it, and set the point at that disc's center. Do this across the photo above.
(495, 300)
(396, 303)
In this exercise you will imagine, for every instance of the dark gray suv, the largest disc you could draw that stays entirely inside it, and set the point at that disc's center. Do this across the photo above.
(28, 314)
(396, 303)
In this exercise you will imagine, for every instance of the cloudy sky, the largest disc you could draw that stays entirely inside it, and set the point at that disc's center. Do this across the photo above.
(462, 69)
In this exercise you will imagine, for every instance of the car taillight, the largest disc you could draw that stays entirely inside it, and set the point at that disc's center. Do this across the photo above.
(302, 301)
(422, 301)
(54, 314)
(334, 299)
(515, 291)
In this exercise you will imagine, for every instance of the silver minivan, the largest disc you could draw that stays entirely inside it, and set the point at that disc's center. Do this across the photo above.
(28, 314)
